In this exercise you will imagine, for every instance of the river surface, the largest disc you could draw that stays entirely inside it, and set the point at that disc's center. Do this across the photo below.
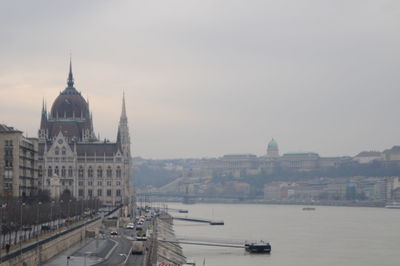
(326, 236)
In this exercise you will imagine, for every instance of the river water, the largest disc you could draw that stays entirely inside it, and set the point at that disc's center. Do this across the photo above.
(326, 236)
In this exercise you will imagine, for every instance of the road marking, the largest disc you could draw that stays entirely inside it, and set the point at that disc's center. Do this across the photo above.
(111, 250)
(127, 257)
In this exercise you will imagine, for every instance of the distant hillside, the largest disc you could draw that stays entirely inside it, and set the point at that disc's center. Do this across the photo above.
(145, 175)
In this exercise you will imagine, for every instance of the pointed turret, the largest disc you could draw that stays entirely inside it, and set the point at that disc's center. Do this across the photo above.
(43, 120)
(123, 117)
(42, 133)
(124, 145)
(123, 137)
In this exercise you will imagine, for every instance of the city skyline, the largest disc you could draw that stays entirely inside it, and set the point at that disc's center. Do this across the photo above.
(212, 78)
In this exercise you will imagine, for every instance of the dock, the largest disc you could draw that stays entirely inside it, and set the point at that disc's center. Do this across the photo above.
(177, 210)
(199, 220)
(249, 246)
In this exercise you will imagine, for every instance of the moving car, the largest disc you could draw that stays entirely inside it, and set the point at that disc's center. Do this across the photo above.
(141, 236)
(137, 247)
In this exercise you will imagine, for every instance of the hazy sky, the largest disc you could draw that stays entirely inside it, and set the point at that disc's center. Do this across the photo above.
(211, 77)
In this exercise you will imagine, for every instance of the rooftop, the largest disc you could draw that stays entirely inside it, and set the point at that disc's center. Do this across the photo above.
(7, 129)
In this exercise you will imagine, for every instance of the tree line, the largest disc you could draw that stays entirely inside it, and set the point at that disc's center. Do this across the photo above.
(27, 217)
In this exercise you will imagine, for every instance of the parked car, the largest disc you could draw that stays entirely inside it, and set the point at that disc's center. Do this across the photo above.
(114, 233)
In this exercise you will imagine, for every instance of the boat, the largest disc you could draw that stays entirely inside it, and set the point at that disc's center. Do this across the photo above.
(308, 209)
(258, 247)
(393, 205)
(217, 222)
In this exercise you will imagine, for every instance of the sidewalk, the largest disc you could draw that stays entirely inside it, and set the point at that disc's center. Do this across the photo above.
(17, 248)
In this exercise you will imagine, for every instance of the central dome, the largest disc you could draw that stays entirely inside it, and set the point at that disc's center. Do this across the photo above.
(70, 103)
(273, 144)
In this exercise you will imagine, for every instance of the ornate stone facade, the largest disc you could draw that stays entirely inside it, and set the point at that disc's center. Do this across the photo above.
(69, 150)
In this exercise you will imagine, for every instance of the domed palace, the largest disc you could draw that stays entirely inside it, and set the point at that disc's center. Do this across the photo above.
(272, 149)
(72, 160)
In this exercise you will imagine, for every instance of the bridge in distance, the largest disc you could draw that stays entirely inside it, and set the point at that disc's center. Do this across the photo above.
(191, 196)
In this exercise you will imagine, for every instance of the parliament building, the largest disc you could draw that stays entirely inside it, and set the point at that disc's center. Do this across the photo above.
(71, 159)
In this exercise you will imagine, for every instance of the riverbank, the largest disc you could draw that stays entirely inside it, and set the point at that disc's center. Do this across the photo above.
(167, 253)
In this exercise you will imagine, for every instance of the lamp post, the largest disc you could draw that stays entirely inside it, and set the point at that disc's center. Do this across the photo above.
(76, 210)
(82, 208)
(1, 231)
(37, 220)
(37, 223)
(38, 228)
(61, 212)
(69, 202)
(20, 240)
(51, 214)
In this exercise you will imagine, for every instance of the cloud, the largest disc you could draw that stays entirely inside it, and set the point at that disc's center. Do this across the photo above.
(205, 78)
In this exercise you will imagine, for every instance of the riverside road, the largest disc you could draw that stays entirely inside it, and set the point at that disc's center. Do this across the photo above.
(104, 250)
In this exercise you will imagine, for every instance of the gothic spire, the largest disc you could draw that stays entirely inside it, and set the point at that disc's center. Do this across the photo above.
(123, 113)
(43, 119)
(43, 107)
(70, 81)
(123, 131)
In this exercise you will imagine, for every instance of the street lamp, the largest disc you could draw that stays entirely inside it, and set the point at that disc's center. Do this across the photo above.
(69, 202)
(37, 221)
(37, 229)
(20, 240)
(61, 212)
(51, 214)
(76, 210)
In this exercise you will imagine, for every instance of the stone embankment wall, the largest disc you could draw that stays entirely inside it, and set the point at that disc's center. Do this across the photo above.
(167, 253)
(46, 251)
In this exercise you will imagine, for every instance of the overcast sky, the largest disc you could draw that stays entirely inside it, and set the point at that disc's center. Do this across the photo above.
(211, 77)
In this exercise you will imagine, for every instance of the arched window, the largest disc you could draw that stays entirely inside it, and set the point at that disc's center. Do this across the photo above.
(90, 172)
(80, 171)
(50, 171)
(70, 172)
(63, 171)
(57, 151)
(56, 171)
(109, 172)
(118, 171)
(63, 151)
(99, 172)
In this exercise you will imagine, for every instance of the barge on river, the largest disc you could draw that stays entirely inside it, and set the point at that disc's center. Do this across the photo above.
(258, 247)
